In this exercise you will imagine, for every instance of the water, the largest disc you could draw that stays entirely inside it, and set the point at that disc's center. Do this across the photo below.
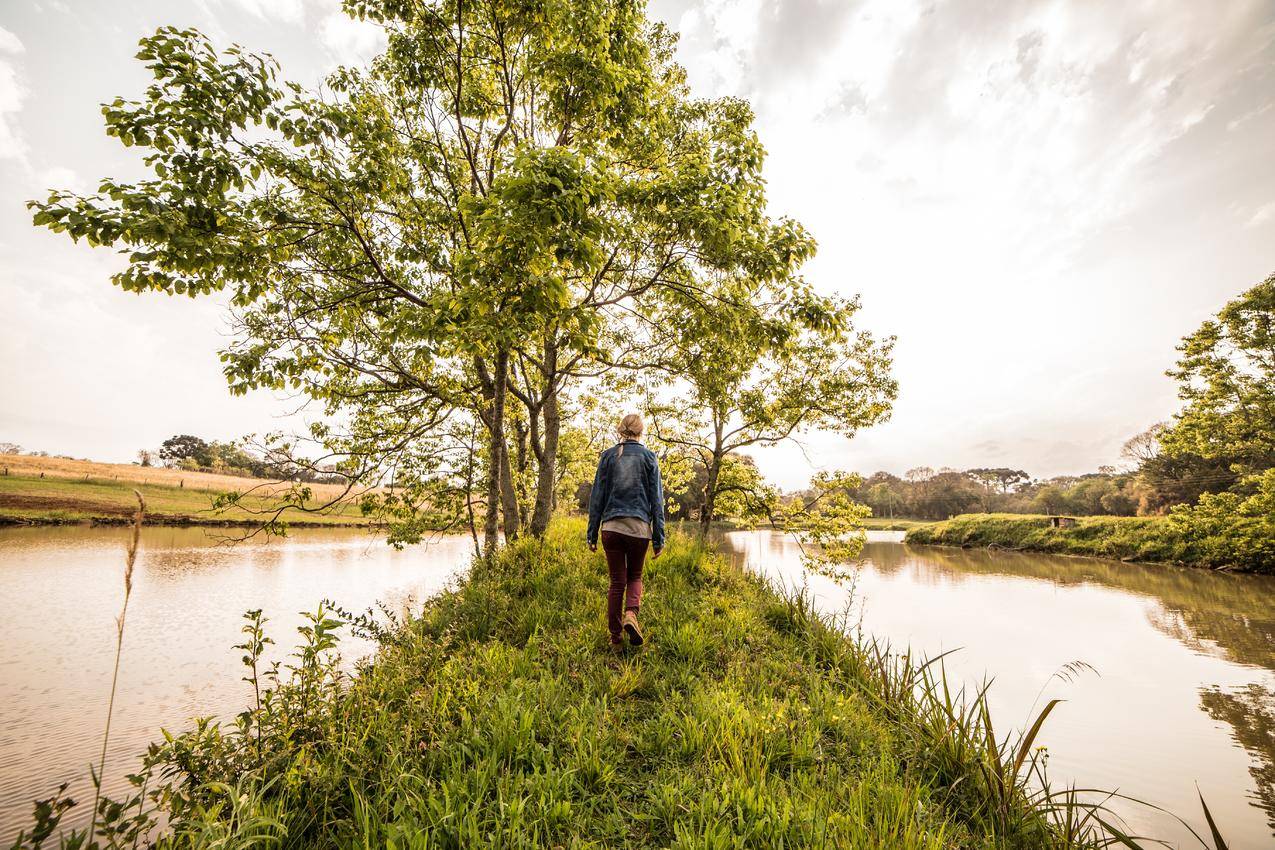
(1184, 691)
(63, 588)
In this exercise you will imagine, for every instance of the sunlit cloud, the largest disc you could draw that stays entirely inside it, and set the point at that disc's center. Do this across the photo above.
(1039, 199)
(12, 94)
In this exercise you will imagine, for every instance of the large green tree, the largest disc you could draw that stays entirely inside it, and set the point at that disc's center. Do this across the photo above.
(416, 243)
(1226, 377)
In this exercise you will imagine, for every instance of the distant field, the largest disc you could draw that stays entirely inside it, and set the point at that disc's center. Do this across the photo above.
(80, 491)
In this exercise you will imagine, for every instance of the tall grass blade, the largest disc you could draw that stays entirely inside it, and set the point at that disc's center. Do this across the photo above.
(1219, 843)
(100, 774)
(1028, 739)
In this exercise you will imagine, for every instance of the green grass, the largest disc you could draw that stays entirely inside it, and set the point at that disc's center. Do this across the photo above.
(499, 718)
(31, 499)
(1148, 539)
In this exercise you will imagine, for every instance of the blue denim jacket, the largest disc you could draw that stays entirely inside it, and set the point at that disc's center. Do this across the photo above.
(628, 484)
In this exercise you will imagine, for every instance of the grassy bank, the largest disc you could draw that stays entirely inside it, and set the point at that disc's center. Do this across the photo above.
(1149, 539)
(55, 491)
(499, 718)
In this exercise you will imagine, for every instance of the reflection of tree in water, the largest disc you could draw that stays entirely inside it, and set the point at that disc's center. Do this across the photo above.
(1251, 714)
(1223, 614)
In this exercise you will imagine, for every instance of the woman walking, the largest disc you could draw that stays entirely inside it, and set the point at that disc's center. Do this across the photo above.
(627, 508)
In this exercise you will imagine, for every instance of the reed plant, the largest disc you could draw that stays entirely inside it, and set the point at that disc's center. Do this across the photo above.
(497, 717)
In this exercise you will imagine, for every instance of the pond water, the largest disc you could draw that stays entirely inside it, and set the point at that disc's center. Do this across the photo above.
(1182, 690)
(1183, 693)
(63, 588)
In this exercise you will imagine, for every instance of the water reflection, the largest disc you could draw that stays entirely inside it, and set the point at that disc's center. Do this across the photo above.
(1250, 712)
(1185, 663)
(63, 587)
(1221, 613)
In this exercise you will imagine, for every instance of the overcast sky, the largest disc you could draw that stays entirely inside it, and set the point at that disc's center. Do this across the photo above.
(1039, 201)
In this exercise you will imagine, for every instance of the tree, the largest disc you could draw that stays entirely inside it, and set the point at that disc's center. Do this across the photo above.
(424, 239)
(770, 359)
(1000, 479)
(1143, 446)
(944, 494)
(1050, 500)
(10, 449)
(1226, 377)
(176, 449)
(145, 457)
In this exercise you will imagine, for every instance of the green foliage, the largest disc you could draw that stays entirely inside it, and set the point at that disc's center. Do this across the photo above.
(1228, 528)
(1227, 535)
(1226, 377)
(826, 523)
(497, 717)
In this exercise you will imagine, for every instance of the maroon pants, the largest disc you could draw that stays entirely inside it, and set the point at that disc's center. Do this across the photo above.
(625, 556)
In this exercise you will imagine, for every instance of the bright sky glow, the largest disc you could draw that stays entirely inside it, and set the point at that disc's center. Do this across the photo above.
(1037, 202)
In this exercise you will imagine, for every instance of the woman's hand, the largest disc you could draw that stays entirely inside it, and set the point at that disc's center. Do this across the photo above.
(655, 553)
(593, 547)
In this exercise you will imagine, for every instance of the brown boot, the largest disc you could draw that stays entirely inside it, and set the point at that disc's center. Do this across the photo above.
(617, 647)
(632, 628)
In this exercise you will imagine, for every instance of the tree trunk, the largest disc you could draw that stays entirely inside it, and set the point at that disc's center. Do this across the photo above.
(469, 487)
(546, 480)
(520, 441)
(710, 497)
(710, 485)
(508, 498)
(496, 449)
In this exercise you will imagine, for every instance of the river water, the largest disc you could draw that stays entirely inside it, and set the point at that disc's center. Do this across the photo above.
(1182, 690)
(1183, 693)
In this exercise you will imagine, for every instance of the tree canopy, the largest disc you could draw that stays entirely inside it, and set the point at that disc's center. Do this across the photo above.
(1226, 378)
(461, 223)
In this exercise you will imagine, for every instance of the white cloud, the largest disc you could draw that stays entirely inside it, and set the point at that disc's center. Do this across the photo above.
(974, 176)
(350, 41)
(284, 11)
(1264, 213)
(12, 94)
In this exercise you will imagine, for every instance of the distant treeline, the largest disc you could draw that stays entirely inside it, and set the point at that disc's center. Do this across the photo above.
(1149, 485)
(184, 451)
(924, 493)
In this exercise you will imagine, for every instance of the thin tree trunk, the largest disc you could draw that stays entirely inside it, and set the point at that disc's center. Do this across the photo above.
(469, 488)
(524, 503)
(546, 481)
(710, 497)
(496, 448)
(710, 485)
(508, 498)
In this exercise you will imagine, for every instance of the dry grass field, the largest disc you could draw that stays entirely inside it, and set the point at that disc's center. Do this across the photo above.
(44, 489)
